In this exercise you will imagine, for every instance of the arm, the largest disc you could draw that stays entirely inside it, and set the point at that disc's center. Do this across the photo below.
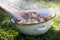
(16, 13)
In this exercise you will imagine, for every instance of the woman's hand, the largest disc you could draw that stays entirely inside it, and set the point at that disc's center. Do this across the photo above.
(13, 11)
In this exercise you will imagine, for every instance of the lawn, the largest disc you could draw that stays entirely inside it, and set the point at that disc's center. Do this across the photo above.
(8, 30)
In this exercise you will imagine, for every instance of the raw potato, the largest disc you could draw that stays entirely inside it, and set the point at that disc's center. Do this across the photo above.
(20, 22)
(42, 20)
(35, 15)
(33, 18)
(35, 21)
(48, 17)
(29, 21)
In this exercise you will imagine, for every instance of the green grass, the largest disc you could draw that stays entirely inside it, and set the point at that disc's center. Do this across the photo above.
(8, 30)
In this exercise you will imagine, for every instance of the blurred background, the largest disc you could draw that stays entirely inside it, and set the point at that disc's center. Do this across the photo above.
(8, 30)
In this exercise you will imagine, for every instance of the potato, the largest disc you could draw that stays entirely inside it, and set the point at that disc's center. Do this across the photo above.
(48, 17)
(29, 21)
(20, 22)
(35, 15)
(42, 20)
(35, 21)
